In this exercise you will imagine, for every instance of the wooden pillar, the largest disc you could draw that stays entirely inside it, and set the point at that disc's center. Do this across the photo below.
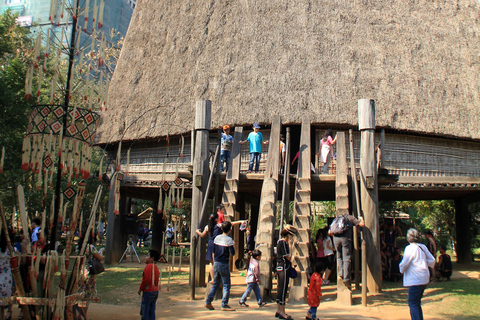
(239, 236)
(115, 240)
(200, 180)
(369, 193)
(463, 221)
(158, 225)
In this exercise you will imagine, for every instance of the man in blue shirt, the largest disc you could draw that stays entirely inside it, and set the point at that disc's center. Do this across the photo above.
(223, 249)
(255, 138)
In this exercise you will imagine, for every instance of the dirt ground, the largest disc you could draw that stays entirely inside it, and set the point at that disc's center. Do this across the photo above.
(176, 304)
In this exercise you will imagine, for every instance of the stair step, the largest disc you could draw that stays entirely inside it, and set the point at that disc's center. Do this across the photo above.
(302, 222)
(303, 184)
(302, 208)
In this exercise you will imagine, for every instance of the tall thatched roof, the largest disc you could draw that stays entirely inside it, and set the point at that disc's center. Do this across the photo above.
(418, 59)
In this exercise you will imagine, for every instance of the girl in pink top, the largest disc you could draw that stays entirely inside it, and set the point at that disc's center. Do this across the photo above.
(326, 151)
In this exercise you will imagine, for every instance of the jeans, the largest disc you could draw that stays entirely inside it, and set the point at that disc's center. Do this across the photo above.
(254, 157)
(415, 294)
(313, 312)
(255, 287)
(149, 301)
(224, 157)
(221, 273)
(343, 245)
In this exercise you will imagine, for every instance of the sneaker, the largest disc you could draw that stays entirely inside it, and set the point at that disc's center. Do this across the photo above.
(249, 171)
(262, 304)
(227, 308)
(209, 306)
(242, 304)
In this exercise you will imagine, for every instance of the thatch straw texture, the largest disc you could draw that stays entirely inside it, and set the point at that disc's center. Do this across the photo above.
(419, 59)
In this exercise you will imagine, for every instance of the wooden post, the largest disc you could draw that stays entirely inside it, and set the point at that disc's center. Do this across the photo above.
(369, 192)
(355, 210)
(115, 245)
(463, 221)
(200, 177)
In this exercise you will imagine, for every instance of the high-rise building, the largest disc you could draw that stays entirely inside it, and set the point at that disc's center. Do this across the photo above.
(36, 13)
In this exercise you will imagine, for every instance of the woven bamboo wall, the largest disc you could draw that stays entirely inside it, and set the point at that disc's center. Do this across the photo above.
(405, 155)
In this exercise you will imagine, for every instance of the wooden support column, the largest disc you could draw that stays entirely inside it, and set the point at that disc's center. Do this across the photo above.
(200, 181)
(158, 225)
(239, 236)
(115, 240)
(463, 221)
(369, 193)
(344, 294)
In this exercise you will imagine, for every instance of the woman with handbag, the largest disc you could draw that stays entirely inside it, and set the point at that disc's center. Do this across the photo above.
(284, 264)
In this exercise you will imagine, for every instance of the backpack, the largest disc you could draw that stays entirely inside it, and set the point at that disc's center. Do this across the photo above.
(339, 225)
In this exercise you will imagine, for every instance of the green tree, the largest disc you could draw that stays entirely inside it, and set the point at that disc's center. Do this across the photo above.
(15, 49)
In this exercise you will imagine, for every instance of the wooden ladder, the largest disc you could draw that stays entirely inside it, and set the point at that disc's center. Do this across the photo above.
(301, 221)
(268, 208)
(230, 189)
(344, 295)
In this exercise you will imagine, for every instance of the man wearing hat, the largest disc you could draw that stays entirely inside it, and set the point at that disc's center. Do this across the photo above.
(226, 148)
(255, 138)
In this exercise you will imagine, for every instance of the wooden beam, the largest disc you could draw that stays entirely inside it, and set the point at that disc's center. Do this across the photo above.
(369, 193)
(200, 180)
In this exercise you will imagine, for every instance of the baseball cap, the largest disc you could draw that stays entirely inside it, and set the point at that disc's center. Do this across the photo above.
(256, 125)
(225, 127)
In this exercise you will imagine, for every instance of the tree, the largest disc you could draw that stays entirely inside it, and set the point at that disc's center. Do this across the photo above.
(16, 47)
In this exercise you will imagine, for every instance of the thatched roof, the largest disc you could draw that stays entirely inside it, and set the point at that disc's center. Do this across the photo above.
(418, 59)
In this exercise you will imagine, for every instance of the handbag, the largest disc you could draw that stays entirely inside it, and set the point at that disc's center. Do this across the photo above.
(95, 266)
(292, 272)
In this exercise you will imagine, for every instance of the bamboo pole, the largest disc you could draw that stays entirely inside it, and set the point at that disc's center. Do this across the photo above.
(14, 264)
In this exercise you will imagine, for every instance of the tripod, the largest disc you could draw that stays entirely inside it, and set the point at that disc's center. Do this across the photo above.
(130, 249)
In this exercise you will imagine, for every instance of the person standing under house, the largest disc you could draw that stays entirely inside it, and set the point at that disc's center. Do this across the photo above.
(326, 150)
(325, 252)
(170, 232)
(226, 148)
(223, 248)
(343, 246)
(256, 139)
(149, 286)
(444, 266)
(414, 266)
(432, 248)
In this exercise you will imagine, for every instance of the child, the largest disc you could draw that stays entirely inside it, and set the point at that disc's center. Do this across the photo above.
(315, 291)
(149, 286)
(253, 280)
(222, 248)
(255, 138)
(227, 141)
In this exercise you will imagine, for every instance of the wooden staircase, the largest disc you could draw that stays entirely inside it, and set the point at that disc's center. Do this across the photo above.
(299, 289)
(268, 207)
(230, 189)
(344, 295)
